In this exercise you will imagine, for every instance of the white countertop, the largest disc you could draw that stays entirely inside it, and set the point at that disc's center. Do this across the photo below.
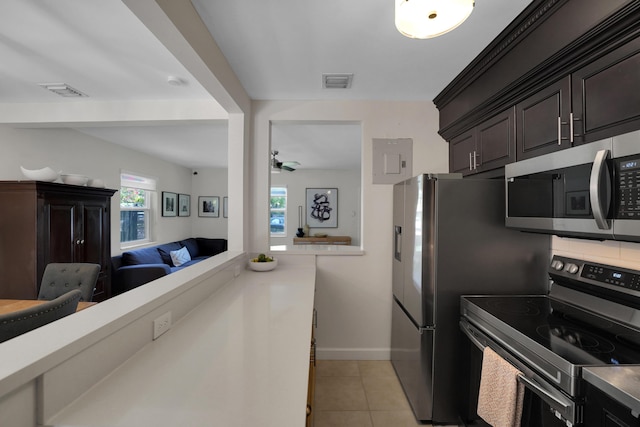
(240, 358)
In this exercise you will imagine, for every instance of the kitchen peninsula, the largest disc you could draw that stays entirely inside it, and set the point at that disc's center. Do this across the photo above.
(238, 356)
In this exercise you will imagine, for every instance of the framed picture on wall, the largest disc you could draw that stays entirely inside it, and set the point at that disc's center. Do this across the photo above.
(322, 207)
(209, 206)
(169, 203)
(225, 207)
(184, 205)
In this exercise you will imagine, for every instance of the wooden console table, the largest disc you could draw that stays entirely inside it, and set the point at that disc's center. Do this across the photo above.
(329, 240)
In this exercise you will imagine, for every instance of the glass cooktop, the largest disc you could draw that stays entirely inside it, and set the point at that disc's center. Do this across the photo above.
(578, 336)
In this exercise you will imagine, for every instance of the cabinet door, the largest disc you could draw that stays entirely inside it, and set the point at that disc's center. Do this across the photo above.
(461, 152)
(606, 98)
(601, 410)
(59, 231)
(542, 121)
(496, 141)
(91, 245)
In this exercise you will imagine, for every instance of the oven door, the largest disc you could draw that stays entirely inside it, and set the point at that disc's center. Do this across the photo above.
(544, 405)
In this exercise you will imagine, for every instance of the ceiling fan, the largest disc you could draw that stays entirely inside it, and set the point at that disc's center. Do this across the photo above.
(277, 165)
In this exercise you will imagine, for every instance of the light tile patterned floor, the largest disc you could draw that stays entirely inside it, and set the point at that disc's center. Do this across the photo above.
(354, 393)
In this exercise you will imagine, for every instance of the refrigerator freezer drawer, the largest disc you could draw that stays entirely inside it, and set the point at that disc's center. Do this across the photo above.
(412, 359)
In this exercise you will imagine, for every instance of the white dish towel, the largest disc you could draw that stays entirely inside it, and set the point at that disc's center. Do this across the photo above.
(501, 394)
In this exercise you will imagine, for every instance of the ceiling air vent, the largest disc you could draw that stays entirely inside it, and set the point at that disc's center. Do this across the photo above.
(63, 89)
(336, 81)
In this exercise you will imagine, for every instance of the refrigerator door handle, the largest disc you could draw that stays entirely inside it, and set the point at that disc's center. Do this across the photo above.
(397, 242)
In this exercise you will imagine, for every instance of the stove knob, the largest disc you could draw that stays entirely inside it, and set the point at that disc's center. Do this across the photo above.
(557, 265)
(572, 268)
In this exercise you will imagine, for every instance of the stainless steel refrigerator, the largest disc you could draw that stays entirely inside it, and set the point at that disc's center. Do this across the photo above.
(450, 240)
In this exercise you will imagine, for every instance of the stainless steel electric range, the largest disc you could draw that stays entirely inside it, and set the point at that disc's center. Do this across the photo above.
(590, 317)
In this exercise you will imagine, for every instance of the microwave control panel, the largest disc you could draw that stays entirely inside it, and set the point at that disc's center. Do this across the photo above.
(628, 169)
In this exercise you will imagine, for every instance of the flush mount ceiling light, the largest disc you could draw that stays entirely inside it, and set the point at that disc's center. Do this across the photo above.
(424, 19)
(63, 89)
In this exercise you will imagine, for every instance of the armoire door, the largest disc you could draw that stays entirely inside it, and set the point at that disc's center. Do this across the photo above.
(90, 242)
(60, 231)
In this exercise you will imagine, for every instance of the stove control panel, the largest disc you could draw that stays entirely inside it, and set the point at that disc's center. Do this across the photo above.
(618, 279)
(612, 276)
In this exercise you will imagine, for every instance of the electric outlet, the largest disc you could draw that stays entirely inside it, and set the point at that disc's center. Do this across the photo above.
(161, 325)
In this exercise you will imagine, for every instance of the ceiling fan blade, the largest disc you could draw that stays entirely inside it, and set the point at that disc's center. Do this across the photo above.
(287, 168)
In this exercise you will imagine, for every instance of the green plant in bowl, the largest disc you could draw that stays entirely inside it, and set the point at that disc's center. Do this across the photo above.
(263, 263)
(262, 258)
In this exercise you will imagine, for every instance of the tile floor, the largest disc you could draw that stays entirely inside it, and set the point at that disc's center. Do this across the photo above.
(354, 393)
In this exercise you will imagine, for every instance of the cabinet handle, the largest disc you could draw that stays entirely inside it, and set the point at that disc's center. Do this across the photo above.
(560, 123)
(571, 127)
(571, 134)
(82, 242)
(473, 164)
(574, 119)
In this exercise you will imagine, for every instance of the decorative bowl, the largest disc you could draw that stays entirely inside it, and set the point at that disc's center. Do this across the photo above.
(320, 235)
(75, 179)
(98, 183)
(263, 266)
(44, 174)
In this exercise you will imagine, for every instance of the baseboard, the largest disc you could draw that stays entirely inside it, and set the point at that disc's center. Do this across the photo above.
(353, 354)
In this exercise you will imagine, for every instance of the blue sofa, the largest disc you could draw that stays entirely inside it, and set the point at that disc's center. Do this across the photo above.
(137, 267)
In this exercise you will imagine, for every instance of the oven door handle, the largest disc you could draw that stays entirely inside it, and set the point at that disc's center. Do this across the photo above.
(544, 394)
(526, 381)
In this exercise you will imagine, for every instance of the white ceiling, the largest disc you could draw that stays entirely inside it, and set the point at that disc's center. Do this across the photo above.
(277, 48)
(280, 48)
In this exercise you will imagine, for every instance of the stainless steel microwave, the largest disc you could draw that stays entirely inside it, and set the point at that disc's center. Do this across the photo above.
(589, 191)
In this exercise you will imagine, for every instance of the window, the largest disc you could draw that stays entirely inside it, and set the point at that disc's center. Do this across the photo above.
(278, 211)
(136, 195)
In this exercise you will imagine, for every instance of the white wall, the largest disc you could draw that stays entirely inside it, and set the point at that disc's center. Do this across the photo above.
(75, 152)
(621, 254)
(353, 295)
(209, 182)
(348, 185)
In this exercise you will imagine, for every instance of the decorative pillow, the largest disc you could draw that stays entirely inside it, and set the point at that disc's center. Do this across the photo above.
(165, 252)
(181, 256)
(192, 246)
(141, 256)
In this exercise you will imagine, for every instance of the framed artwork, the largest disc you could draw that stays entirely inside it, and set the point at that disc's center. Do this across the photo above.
(209, 206)
(169, 204)
(322, 207)
(184, 205)
(225, 207)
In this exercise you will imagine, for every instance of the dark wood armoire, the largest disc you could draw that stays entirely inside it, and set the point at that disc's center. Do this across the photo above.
(43, 222)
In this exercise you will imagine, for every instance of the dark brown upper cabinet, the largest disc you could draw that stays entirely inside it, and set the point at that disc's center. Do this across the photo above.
(543, 121)
(569, 68)
(606, 94)
(487, 146)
